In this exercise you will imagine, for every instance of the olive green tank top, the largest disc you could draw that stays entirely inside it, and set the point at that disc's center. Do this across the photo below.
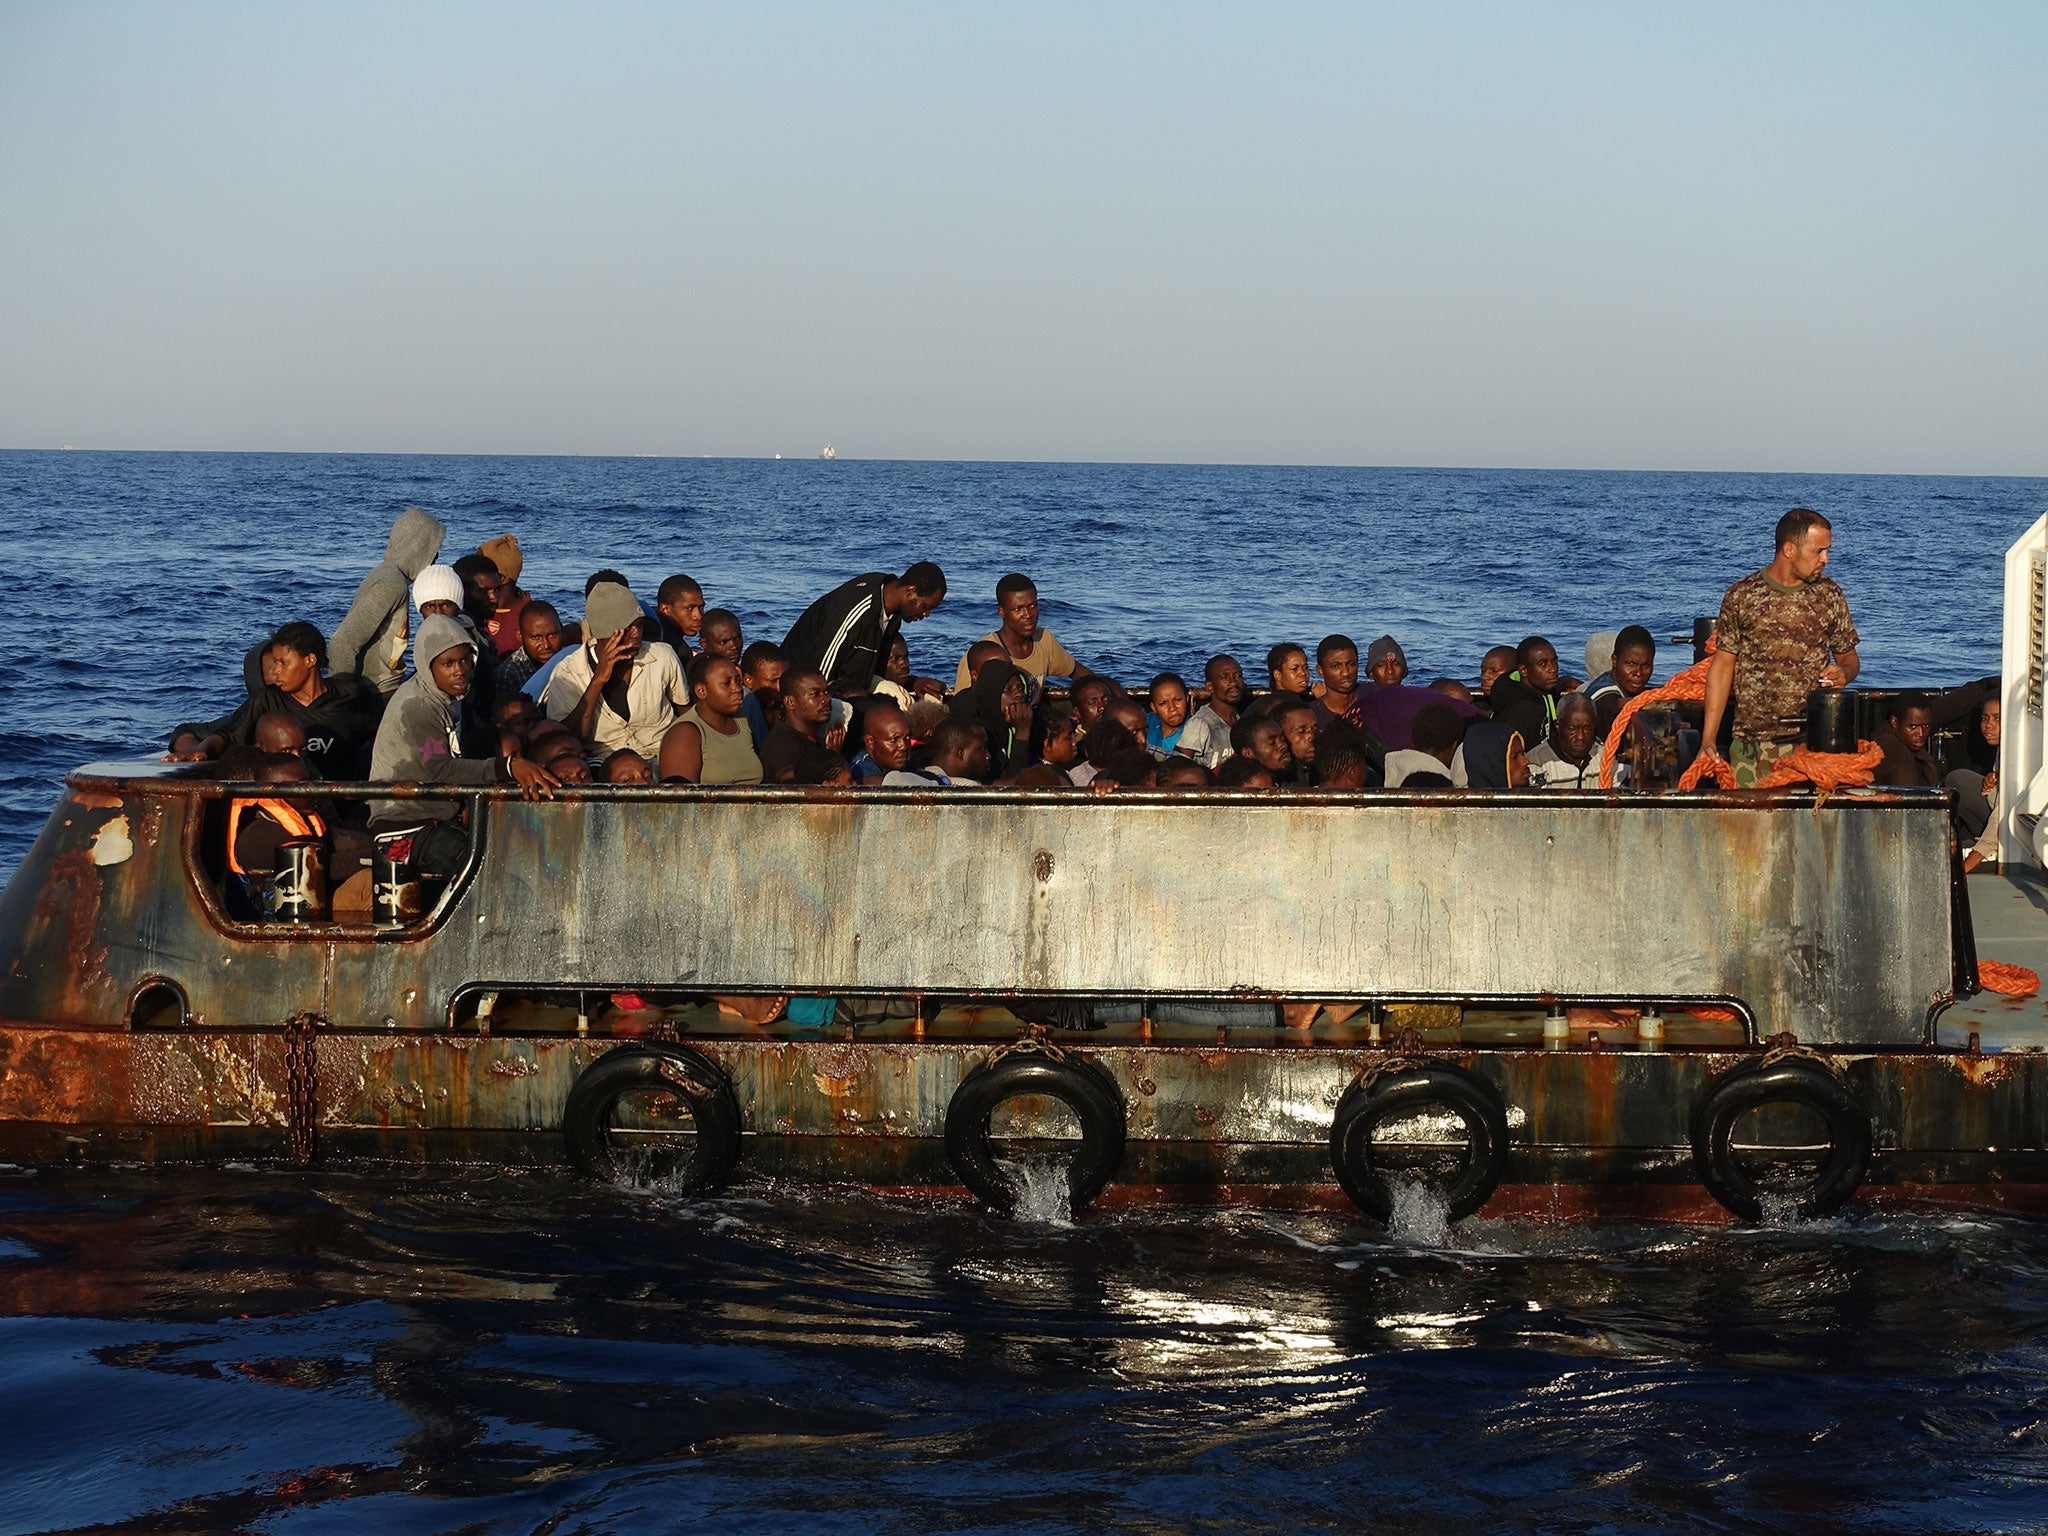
(727, 759)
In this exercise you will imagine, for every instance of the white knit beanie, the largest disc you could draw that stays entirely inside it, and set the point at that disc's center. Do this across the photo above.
(437, 584)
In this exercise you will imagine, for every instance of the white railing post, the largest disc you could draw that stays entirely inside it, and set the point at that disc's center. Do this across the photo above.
(2023, 740)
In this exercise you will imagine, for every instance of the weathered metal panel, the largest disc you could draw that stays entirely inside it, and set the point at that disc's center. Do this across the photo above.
(1831, 921)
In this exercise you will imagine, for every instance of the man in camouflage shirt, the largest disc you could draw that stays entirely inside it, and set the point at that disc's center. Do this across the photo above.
(1783, 632)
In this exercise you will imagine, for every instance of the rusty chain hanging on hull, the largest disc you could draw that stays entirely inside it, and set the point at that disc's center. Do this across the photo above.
(302, 1084)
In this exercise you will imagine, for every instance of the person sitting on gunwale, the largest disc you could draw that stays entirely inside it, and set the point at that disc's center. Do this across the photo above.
(845, 634)
(1029, 645)
(1206, 737)
(371, 641)
(419, 742)
(617, 690)
(1569, 757)
(338, 712)
(806, 721)
(709, 742)
(1783, 631)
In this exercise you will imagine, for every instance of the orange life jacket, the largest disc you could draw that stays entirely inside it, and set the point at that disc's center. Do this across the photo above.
(297, 823)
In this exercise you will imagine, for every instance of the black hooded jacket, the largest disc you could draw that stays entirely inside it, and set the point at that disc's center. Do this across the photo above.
(340, 725)
(981, 703)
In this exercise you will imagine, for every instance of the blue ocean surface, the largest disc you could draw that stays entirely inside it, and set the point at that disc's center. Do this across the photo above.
(476, 1351)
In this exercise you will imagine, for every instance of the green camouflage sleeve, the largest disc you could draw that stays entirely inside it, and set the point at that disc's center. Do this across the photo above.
(1731, 633)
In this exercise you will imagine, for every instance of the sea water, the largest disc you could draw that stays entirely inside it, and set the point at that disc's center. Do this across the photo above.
(487, 1351)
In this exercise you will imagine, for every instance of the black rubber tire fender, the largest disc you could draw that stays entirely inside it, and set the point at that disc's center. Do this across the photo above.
(1434, 1084)
(1751, 1086)
(586, 1117)
(1083, 1088)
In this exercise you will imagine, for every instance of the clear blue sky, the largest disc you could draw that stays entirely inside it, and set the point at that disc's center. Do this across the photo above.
(1722, 236)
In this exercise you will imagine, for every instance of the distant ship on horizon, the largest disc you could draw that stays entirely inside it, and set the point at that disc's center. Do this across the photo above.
(829, 452)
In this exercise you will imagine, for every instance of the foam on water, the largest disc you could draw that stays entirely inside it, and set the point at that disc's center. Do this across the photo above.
(1420, 1218)
(1044, 1197)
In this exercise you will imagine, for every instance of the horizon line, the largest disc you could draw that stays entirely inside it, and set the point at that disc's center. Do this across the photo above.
(844, 458)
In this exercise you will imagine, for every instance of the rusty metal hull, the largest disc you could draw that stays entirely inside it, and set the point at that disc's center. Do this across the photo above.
(1202, 1123)
(1834, 922)
(1831, 922)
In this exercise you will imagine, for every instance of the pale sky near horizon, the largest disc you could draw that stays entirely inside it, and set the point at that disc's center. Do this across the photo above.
(1716, 236)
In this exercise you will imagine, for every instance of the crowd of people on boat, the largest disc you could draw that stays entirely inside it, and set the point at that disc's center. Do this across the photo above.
(455, 675)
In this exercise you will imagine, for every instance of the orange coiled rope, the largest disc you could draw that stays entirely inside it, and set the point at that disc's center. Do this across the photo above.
(2012, 980)
(1825, 771)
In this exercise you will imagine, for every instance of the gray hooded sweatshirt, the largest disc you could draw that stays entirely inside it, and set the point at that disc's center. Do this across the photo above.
(370, 640)
(419, 739)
